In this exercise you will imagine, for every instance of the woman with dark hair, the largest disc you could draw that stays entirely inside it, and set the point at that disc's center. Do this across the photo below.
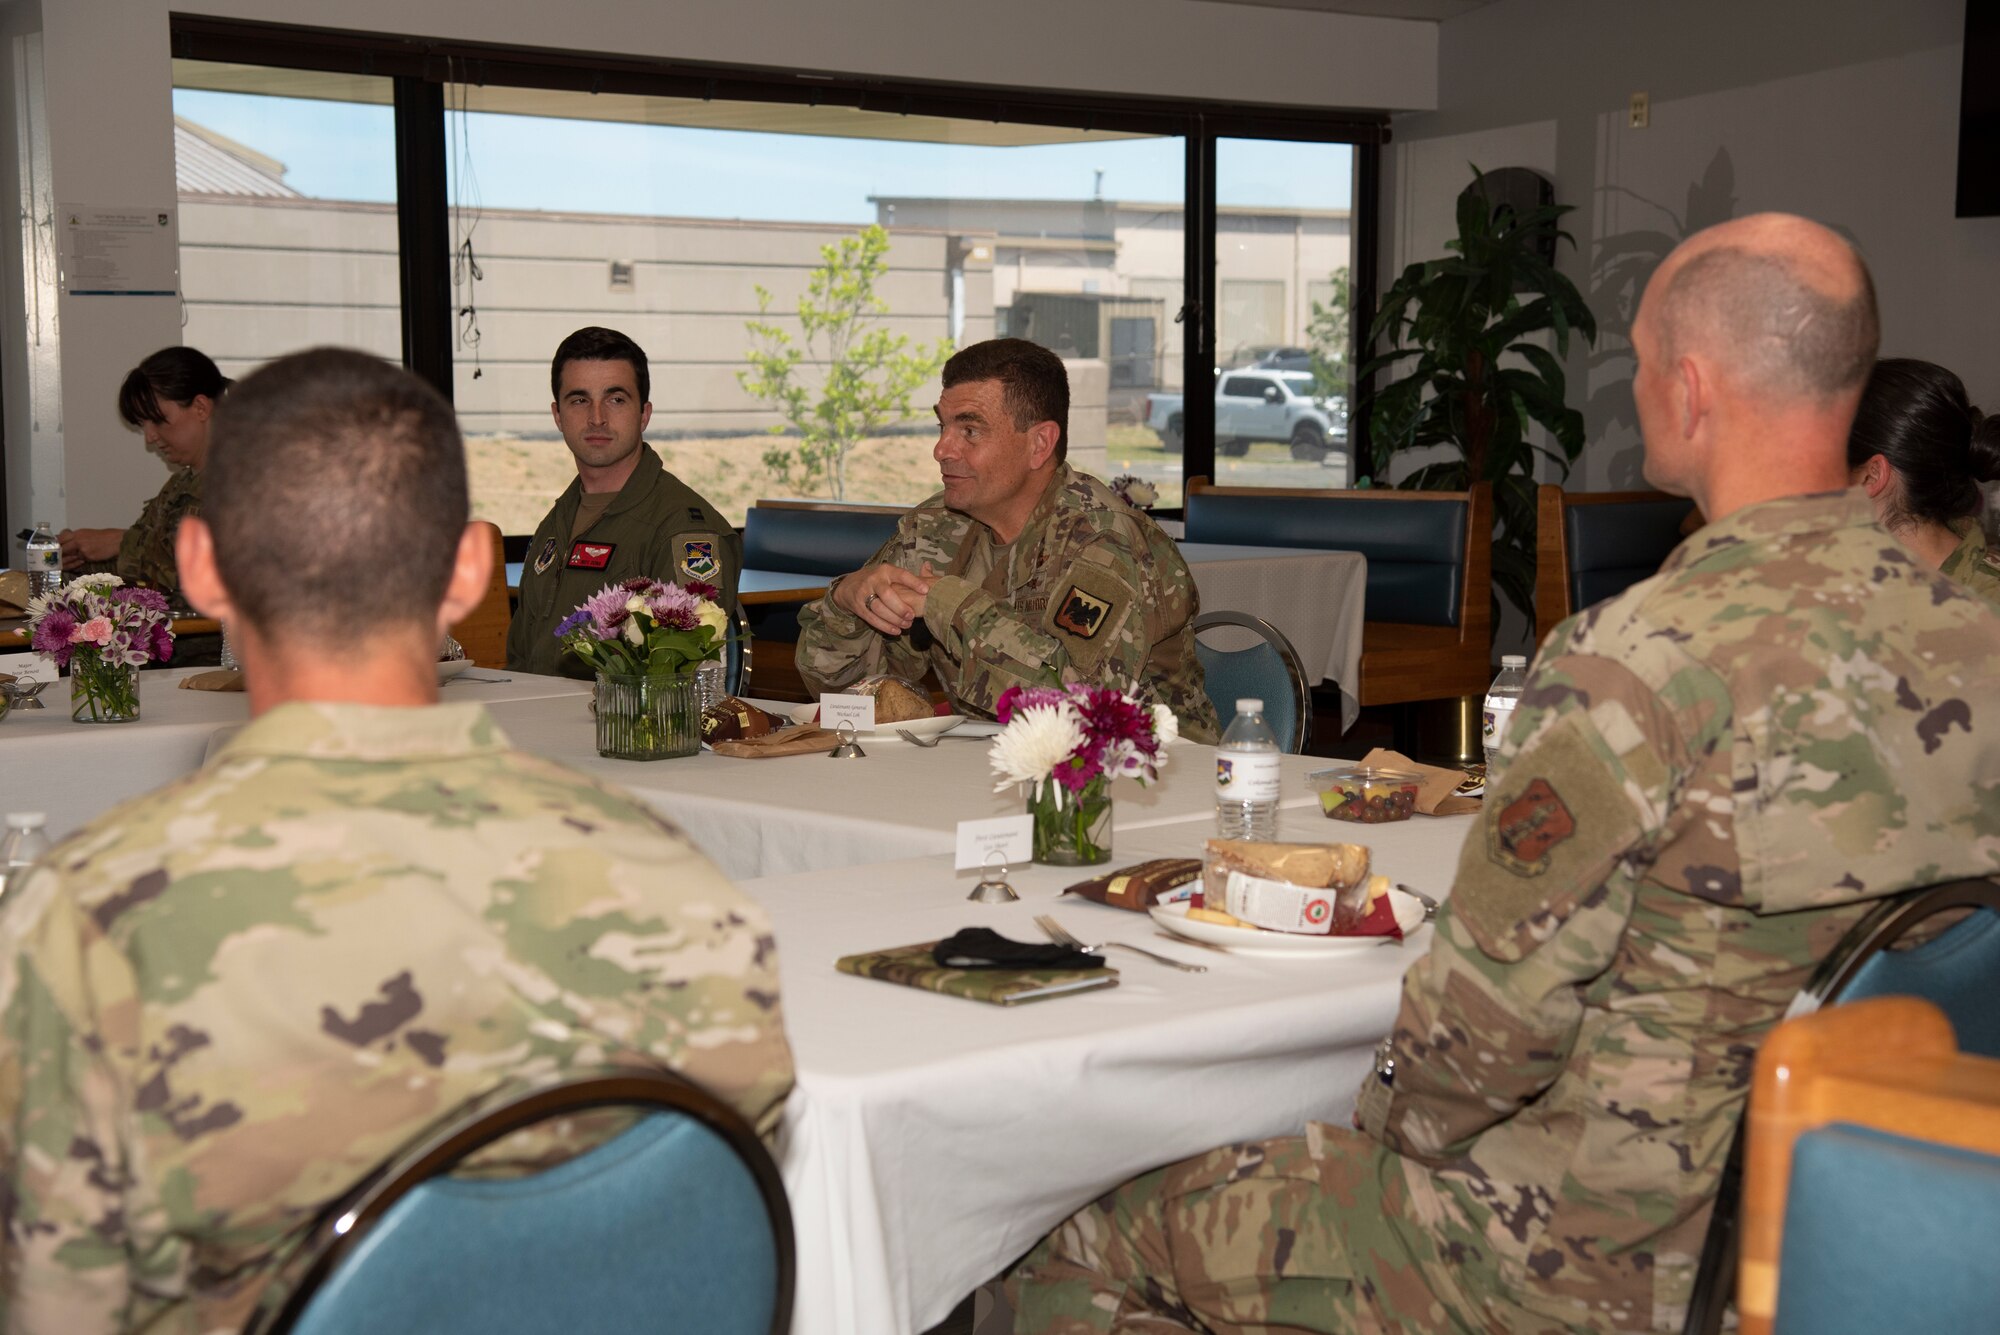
(169, 398)
(1920, 449)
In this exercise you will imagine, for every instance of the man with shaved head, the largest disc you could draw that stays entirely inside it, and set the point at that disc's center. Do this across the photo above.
(1709, 779)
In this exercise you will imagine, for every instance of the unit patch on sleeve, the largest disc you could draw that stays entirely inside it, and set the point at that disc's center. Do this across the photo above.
(698, 558)
(546, 557)
(590, 555)
(1529, 829)
(1081, 614)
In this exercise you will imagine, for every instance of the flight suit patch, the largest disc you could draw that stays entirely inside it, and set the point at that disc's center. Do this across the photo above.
(590, 555)
(698, 558)
(546, 557)
(1081, 614)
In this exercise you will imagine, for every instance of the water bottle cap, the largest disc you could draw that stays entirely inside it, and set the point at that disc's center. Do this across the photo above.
(1249, 705)
(1513, 661)
(26, 820)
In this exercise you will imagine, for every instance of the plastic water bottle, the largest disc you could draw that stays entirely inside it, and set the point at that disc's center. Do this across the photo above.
(1501, 697)
(44, 562)
(23, 845)
(1246, 776)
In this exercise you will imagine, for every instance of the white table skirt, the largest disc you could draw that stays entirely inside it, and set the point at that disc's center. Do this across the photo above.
(1317, 598)
(75, 772)
(932, 1140)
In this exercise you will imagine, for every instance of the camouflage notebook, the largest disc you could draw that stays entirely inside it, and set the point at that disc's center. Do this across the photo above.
(912, 966)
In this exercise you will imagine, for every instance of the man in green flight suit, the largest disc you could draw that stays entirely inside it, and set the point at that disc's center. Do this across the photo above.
(624, 516)
(1020, 572)
(1709, 779)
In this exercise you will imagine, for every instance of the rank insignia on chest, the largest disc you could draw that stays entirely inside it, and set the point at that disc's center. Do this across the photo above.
(545, 557)
(698, 558)
(1530, 827)
(590, 555)
(1080, 614)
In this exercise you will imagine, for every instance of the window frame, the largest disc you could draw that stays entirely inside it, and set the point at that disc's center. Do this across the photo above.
(421, 67)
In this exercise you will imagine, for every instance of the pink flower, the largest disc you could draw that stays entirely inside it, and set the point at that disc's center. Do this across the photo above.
(97, 630)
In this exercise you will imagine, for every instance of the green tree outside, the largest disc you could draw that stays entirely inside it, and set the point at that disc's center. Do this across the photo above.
(1327, 336)
(870, 374)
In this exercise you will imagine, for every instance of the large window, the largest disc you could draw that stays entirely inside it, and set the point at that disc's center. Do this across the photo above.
(1153, 244)
(287, 191)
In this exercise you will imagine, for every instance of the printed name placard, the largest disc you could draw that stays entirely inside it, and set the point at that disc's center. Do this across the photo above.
(1012, 837)
(847, 711)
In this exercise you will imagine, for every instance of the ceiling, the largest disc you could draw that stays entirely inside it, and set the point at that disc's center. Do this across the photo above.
(1432, 10)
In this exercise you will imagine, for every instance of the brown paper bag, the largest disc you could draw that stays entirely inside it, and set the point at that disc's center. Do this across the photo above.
(791, 742)
(14, 598)
(1439, 794)
(222, 679)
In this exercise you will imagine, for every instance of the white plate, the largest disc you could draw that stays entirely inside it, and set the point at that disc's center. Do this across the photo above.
(451, 667)
(886, 732)
(1254, 941)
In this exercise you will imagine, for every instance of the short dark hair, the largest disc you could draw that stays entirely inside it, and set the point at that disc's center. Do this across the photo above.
(594, 343)
(1916, 415)
(1034, 385)
(1777, 332)
(335, 489)
(180, 375)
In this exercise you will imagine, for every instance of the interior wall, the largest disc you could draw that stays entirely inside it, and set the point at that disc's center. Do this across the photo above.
(1845, 111)
(118, 149)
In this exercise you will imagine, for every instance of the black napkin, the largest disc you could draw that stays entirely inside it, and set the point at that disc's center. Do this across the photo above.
(984, 948)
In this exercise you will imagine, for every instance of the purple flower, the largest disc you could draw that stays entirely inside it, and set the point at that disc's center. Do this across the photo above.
(572, 621)
(1026, 697)
(163, 643)
(52, 635)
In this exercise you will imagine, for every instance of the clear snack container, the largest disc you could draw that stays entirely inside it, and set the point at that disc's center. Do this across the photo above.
(1365, 794)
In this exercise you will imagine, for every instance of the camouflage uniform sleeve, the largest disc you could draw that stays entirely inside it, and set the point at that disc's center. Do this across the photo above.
(837, 648)
(1538, 911)
(67, 1213)
(1096, 626)
(146, 552)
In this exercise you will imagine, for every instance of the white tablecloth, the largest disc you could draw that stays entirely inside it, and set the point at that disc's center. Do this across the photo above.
(77, 771)
(931, 1140)
(810, 813)
(1317, 598)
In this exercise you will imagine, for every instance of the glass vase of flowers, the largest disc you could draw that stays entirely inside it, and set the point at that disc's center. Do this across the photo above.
(1067, 744)
(645, 638)
(103, 631)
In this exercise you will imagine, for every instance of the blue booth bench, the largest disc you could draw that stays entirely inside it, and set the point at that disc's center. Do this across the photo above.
(1591, 545)
(1427, 634)
(817, 541)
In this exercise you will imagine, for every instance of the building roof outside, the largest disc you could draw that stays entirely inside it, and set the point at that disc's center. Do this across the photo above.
(207, 163)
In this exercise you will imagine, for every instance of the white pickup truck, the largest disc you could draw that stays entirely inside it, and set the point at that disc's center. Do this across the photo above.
(1257, 404)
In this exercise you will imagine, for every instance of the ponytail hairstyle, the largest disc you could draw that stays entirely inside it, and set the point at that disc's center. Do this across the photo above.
(178, 374)
(1916, 415)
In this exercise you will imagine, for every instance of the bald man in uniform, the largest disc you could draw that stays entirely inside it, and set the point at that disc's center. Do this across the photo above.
(1709, 779)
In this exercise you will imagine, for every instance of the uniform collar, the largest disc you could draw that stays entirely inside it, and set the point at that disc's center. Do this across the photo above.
(369, 733)
(1051, 498)
(1786, 517)
(645, 475)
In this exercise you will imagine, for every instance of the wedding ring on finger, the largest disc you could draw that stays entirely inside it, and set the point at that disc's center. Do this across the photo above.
(868, 603)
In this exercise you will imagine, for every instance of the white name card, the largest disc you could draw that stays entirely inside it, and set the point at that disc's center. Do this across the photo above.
(1012, 837)
(847, 711)
(31, 667)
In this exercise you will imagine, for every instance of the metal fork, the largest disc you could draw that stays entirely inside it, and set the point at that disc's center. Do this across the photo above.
(926, 742)
(1057, 933)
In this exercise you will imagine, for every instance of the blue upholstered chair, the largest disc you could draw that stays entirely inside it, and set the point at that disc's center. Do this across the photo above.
(1958, 971)
(679, 1223)
(1872, 1195)
(1269, 670)
(1591, 545)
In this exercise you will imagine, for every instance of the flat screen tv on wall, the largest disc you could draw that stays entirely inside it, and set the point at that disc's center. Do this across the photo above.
(1979, 114)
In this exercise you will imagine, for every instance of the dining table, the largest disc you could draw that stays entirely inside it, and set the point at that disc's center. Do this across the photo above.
(932, 1140)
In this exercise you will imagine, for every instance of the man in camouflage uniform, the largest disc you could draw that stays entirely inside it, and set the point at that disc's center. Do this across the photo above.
(1020, 572)
(1707, 781)
(624, 516)
(146, 548)
(222, 1004)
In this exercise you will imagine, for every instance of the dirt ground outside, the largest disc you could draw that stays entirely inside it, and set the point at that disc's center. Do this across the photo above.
(515, 479)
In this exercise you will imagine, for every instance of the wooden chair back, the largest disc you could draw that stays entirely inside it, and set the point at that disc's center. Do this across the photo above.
(483, 633)
(1888, 1064)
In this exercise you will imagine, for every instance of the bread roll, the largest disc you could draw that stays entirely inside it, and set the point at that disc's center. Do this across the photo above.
(896, 700)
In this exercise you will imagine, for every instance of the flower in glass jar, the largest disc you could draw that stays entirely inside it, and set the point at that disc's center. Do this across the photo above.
(104, 618)
(646, 627)
(1135, 491)
(1075, 735)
